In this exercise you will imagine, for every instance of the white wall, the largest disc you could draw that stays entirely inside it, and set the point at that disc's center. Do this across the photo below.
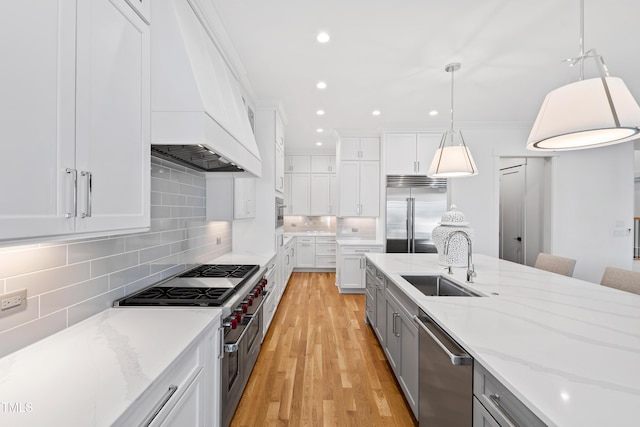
(592, 191)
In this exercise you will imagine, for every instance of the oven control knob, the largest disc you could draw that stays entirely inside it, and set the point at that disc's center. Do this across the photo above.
(238, 317)
(245, 308)
(250, 300)
(256, 293)
(234, 323)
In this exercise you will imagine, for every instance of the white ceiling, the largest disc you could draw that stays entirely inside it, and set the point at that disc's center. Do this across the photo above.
(390, 55)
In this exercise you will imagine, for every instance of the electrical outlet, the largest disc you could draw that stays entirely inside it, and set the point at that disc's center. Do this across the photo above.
(218, 240)
(10, 302)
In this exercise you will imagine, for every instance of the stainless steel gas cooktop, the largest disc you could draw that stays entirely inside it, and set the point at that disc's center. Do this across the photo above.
(208, 285)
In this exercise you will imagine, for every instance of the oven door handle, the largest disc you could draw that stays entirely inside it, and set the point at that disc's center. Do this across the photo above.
(233, 347)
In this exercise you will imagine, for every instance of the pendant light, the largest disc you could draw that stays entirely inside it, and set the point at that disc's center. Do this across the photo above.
(588, 113)
(453, 158)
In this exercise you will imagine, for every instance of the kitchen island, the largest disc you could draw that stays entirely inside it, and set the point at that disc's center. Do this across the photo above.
(568, 349)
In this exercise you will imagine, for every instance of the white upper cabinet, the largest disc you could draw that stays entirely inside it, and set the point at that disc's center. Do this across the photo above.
(83, 136)
(323, 164)
(230, 196)
(299, 201)
(324, 193)
(410, 153)
(359, 188)
(297, 164)
(279, 164)
(279, 132)
(365, 148)
(112, 117)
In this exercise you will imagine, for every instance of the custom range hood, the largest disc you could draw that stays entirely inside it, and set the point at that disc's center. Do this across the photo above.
(198, 116)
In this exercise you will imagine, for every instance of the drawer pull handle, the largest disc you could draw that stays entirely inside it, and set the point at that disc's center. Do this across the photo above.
(495, 401)
(156, 409)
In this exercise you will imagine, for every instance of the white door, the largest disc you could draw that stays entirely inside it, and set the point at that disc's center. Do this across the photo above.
(349, 188)
(369, 188)
(113, 122)
(320, 194)
(512, 209)
(400, 152)
(37, 115)
(300, 185)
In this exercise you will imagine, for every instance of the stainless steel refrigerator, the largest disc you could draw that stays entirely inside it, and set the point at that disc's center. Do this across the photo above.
(415, 205)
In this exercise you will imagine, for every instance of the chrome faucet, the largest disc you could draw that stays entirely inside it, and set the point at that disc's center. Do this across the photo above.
(470, 270)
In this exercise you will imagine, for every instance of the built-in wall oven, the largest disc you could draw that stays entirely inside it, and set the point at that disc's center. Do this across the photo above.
(240, 291)
(280, 212)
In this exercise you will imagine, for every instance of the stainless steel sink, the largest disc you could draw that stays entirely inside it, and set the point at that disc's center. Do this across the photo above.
(439, 286)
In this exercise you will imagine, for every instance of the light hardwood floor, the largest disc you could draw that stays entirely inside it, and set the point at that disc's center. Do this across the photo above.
(321, 365)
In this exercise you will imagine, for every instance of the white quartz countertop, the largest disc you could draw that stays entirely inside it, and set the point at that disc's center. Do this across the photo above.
(359, 242)
(90, 373)
(310, 233)
(244, 257)
(568, 349)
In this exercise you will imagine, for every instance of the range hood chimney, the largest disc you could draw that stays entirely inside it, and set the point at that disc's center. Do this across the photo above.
(198, 116)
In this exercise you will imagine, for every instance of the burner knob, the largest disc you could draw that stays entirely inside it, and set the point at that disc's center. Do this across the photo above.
(245, 308)
(256, 292)
(238, 317)
(234, 323)
(250, 300)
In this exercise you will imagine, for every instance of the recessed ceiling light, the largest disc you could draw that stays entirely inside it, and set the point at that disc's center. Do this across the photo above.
(320, 112)
(319, 130)
(318, 143)
(433, 113)
(376, 112)
(321, 85)
(323, 37)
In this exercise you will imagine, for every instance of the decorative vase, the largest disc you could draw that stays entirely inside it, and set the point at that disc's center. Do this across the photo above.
(451, 221)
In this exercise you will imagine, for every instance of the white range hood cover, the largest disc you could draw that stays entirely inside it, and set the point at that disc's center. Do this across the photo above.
(195, 99)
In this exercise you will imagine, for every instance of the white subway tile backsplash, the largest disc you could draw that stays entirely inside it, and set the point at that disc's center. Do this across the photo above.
(43, 281)
(95, 305)
(22, 261)
(27, 333)
(102, 266)
(69, 281)
(155, 253)
(28, 314)
(129, 275)
(86, 251)
(65, 297)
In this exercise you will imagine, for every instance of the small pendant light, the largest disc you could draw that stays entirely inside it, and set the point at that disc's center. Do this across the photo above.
(453, 158)
(588, 113)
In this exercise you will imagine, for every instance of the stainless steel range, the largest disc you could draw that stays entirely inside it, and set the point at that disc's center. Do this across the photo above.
(239, 290)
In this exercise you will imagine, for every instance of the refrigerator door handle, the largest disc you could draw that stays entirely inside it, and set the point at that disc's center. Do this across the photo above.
(409, 225)
(413, 225)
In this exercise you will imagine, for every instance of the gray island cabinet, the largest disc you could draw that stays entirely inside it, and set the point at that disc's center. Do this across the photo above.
(524, 332)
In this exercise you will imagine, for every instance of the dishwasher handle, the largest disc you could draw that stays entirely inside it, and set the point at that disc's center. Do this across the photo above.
(456, 359)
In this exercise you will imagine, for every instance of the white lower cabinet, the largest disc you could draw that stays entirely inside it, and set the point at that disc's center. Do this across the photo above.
(350, 267)
(306, 252)
(187, 393)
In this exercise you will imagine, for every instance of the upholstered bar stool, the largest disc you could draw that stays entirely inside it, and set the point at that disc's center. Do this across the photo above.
(555, 264)
(624, 280)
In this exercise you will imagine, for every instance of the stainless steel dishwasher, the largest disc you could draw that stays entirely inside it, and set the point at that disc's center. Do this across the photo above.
(446, 378)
